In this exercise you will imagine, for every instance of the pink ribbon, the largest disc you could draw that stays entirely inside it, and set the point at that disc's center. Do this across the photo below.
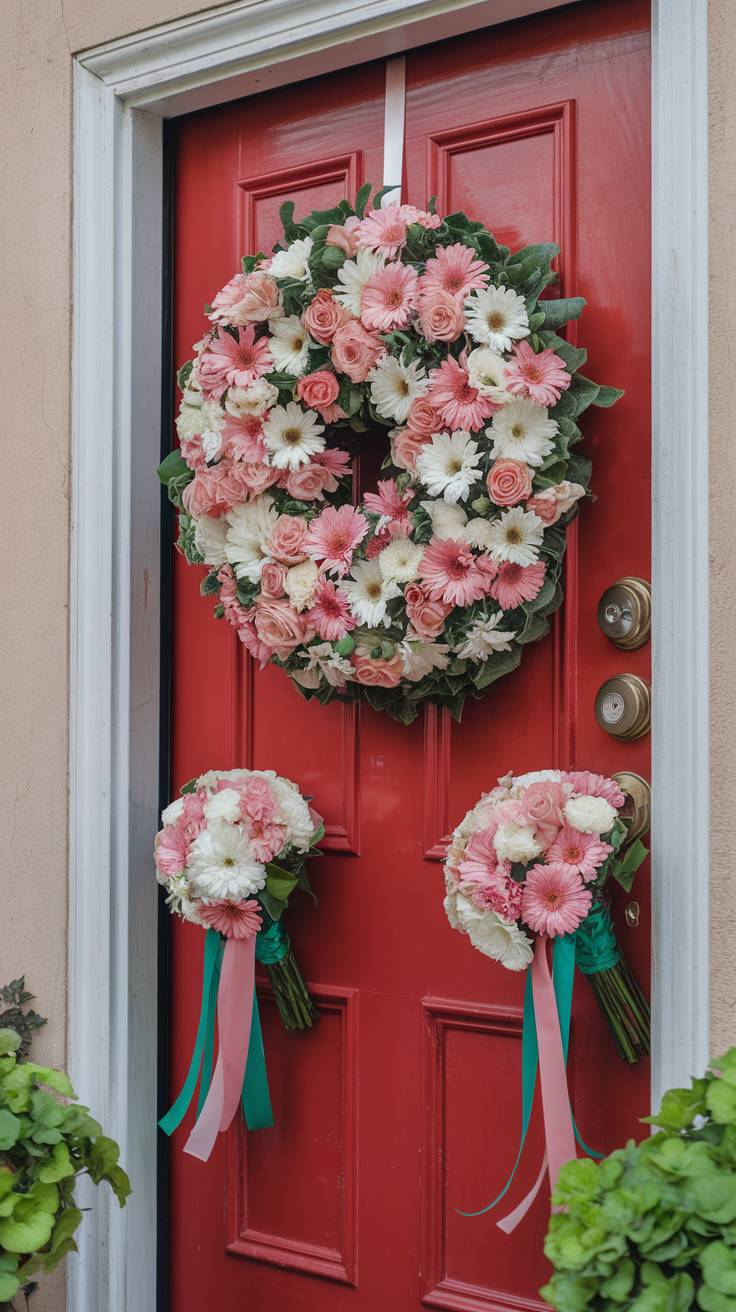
(558, 1128)
(234, 1014)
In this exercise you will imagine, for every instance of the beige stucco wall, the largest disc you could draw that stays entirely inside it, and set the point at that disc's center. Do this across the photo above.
(39, 37)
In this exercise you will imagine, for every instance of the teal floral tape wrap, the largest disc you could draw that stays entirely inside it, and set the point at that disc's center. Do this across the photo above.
(272, 943)
(596, 948)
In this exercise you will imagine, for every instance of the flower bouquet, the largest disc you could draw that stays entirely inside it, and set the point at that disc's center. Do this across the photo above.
(528, 866)
(232, 849)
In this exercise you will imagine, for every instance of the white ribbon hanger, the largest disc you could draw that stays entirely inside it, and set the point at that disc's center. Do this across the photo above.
(393, 129)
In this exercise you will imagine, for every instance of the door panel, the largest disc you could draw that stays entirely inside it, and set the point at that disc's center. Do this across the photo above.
(402, 1106)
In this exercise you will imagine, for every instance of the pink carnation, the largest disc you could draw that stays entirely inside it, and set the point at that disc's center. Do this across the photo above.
(171, 850)
(389, 298)
(455, 269)
(581, 854)
(233, 919)
(330, 613)
(451, 572)
(257, 801)
(540, 377)
(554, 900)
(516, 583)
(333, 537)
(459, 403)
(382, 231)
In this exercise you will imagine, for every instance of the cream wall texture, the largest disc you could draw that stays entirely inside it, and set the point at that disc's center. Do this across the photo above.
(39, 39)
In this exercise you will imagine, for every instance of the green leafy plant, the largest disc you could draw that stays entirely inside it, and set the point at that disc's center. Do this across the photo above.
(17, 1015)
(652, 1228)
(46, 1141)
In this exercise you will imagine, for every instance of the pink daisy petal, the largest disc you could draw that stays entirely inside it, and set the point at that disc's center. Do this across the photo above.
(516, 583)
(579, 854)
(389, 297)
(330, 613)
(333, 536)
(382, 231)
(455, 269)
(233, 919)
(451, 572)
(539, 377)
(234, 361)
(595, 785)
(172, 846)
(458, 402)
(554, 901)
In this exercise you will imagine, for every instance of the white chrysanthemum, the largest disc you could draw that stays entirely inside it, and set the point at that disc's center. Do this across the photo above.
(478, 532)
(369, 593)
(447, 521)
(484, 637)
(224, 806)
(322, 660)
(293, 262)
(248, 530)
(211, 443)
(254, 399)
(400, 560)
(516, 536)
(300, 583)
(292, 435)
(499, 939)
(522, 431)
(173, 812)
(222, 863)
(487, 371)
(289, 345)
(421, 657)
(211, 778)
(353, 275)
(189, 422)
(515, 842)
(496, 317)
(210, 536)
(591, 815)
(294, 812)
(449, 466)
(395, 385)
(522, 781)
(178, 899)
(451, 896)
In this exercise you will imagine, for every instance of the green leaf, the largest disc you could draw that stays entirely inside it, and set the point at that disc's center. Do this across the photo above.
(361, 200)
(9, 1286)
(210, 585)
(626, 866)
(9, 1129)
(558, 313)
(10, 1041)
(286, 214)
(59, 1167)
(607, 396)
(174, 466)
(280, 883)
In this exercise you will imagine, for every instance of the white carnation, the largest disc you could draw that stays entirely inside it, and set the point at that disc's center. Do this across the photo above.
(294, 811)
(400, 560)
(300, 583)
(254, 399)
(515, 842)
(224, 806)
(189, 422)
(173, 812)
(591, 815)
(501, 940)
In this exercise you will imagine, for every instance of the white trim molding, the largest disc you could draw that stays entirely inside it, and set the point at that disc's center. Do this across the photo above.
(123, 92)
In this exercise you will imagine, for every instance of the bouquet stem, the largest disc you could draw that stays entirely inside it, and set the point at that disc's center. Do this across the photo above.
(296, 1008)
(617, 992)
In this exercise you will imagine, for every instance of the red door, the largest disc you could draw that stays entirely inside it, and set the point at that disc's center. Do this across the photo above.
(402, 1105)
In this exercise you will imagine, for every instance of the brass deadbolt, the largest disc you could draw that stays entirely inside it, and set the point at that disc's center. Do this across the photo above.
(623, 707)
(625, 613)
(638, 804)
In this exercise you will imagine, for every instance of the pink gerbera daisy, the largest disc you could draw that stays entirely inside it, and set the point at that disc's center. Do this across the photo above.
(516, 583)
(579, 854)
(171, 850)
(389, 297)
(242, 439)
(595, 785)
(456, 270)
(451, 573)
(330, 613)
(333, 536)
(390, 504)
(233, 919)
(554, 900)
(234, 361)
(459, 403)
(382, 231)
(538, 377)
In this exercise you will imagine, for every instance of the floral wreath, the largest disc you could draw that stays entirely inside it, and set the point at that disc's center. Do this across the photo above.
(429, 589)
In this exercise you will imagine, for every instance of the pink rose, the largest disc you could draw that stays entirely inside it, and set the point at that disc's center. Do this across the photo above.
(319, 391)
(542, 806)
(509, 482)
(207, 494)
(441, 316)
(405, 447)
(225, 303)
(344, 235)
(423, 418)
(272, 579)
(556, 501)
(260, 298)
(278, 625)
(355, 351)
(324, 316)
(377, 673)
(309, 482)
(248, 479)
(193, 451)
(285, 540)
(427, 617)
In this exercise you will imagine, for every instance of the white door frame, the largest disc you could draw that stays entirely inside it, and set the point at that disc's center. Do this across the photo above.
(123, 91)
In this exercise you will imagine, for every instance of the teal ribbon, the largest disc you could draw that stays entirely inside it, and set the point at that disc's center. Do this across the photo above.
(563, 974)
(272, 943)
(256, 1100)
(596, 948)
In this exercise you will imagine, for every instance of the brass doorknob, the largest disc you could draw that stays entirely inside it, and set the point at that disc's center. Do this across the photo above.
(623, 707)
(625, 612)
(638, 804)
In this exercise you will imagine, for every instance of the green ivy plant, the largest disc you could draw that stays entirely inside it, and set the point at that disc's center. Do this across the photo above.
(17, 1015)
(652, 1228)
(46, 1141)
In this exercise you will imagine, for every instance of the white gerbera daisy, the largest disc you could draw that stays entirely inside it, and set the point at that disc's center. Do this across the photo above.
(499, 939)
(400, 560)
(484, 637)
(249, 527)
(447, 521)
(496, 317)
(421, 657)
(292, 435)
(395, 385)
(289, 345)
(449, 466)
(254, 399)
(222, 863)
(368, 593)
(487, 370)
(522, 431)
(210, 536)
(353, 275)
(293, 262)
(516, 536)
